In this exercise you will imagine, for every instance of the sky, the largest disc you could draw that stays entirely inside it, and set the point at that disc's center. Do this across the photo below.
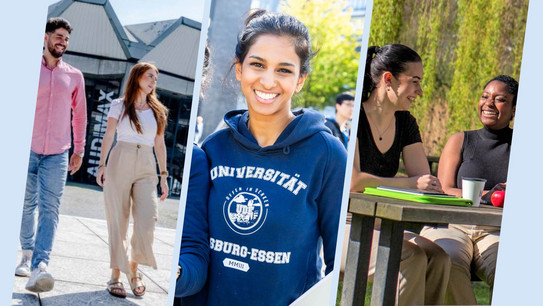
(141, 11)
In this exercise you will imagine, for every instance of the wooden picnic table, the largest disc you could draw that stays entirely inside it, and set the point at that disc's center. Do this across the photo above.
(396, 215)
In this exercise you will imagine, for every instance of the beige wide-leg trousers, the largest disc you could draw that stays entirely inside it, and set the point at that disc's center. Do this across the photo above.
(424, 269)
(467, 245)
(130, 187)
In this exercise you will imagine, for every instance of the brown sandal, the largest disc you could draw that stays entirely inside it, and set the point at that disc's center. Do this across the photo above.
(116, 288)
(136, 282)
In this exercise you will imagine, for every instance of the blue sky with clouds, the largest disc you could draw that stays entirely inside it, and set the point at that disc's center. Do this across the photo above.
(141, 11)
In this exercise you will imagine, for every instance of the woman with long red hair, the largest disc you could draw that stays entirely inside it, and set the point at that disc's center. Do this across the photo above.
(129, 177)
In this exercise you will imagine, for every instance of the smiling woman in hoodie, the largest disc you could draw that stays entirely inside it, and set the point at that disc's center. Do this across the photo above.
(276, 176)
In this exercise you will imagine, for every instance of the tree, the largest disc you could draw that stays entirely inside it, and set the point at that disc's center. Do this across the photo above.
(386, 21)
(436, 24)
(479, 25)
(334, 36)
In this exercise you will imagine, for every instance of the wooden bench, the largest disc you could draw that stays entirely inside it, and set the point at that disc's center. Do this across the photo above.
(433, 162)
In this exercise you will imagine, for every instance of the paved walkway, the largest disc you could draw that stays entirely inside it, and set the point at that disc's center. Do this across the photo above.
(88, 201)
(80, 265)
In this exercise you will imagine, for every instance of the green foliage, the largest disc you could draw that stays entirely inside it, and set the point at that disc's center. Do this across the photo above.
(333, 35)
(463, 44)
(386, 21)
(477, 58)
(429, 34)
(513, 35)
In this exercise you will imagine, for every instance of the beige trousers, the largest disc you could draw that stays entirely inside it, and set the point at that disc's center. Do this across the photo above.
(130, 188)
(424, 269)
(467, 244)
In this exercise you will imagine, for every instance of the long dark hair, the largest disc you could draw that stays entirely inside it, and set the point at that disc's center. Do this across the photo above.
(263, 22)
(131, 93)
(392, 58)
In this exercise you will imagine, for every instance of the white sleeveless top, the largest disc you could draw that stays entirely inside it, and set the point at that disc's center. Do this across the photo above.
(127, 132)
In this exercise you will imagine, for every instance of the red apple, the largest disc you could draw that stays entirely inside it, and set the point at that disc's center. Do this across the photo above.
(497, 198)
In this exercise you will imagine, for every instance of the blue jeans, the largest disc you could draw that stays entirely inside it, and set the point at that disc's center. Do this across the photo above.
(44, 188)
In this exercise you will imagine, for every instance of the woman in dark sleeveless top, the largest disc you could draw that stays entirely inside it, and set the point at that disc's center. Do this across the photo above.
(386, 129)
(484, 154)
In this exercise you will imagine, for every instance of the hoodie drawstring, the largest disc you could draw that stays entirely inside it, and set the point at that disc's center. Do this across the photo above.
(286, 149)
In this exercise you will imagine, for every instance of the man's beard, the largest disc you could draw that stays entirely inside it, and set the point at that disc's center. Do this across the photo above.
(54, 52)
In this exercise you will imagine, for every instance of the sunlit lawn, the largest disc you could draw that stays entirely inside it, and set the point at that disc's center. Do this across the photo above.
(481, 289)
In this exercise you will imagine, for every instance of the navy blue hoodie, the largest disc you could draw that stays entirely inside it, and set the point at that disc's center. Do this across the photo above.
(194, 253)
(267, 208)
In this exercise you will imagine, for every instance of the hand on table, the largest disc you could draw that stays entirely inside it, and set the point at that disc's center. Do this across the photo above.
(498, 187)
(428, 182)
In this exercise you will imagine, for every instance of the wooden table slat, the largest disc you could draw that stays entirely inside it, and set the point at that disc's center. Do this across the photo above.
(407, 211)
(396, 215)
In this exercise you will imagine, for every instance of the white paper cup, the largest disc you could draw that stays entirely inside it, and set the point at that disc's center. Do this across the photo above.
(472, 189)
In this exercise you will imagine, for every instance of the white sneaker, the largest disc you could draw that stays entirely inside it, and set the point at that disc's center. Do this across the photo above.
(23, 269)
(40, 280)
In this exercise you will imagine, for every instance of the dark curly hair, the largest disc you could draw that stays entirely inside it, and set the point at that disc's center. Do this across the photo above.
(58, 22)
(510, 83)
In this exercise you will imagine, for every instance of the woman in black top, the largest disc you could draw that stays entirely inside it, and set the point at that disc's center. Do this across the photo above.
(385, 130)
(482, 153)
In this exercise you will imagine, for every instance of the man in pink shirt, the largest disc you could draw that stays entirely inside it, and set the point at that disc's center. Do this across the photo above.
(60, 107)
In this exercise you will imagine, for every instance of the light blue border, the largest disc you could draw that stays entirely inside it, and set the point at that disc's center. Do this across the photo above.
(519, 269)
(351, 149)
(188, 154)
(23, 32)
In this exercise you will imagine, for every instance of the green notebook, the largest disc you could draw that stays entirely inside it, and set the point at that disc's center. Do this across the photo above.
(418, 197)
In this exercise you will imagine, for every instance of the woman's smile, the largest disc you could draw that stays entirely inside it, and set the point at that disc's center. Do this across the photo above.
(488, 113)
(408, 85)
(264, 97)
(270, 75)
(496, 106)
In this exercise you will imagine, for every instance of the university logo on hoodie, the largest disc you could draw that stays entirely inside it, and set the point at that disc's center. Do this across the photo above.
(245, 209)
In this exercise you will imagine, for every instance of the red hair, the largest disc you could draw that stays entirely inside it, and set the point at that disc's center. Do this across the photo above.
(131, 93)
